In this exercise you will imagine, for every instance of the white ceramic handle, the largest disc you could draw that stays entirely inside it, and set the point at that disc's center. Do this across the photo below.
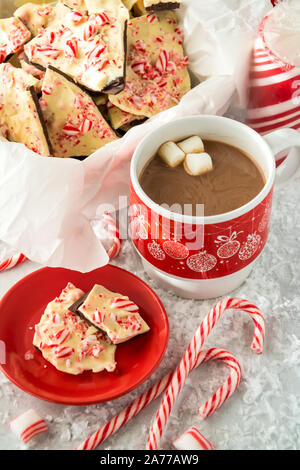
(281, 140)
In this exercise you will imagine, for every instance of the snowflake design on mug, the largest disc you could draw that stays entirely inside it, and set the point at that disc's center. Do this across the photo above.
(139, 224)
(201, 262)
(156, 251)
(175, 250)
(249, 247)
(229, 245)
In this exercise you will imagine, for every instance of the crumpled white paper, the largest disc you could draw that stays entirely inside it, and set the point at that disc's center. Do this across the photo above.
(46, 204)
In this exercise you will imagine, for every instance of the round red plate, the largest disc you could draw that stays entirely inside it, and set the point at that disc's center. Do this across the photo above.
(21, 308)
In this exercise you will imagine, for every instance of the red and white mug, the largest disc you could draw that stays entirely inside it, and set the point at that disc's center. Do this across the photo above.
(274, 85)
(231, 242)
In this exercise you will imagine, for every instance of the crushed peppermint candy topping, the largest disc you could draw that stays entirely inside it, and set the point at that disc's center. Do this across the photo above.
(76, 16)
(63, 351)
(72, 48)
(98, 317)
(124, 304)
(44, 11)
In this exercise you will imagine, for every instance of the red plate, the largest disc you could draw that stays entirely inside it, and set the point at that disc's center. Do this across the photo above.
(21, 308)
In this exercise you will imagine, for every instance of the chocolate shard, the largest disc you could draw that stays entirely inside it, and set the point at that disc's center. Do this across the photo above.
(163, 6)
(74, 307)
(41, 117)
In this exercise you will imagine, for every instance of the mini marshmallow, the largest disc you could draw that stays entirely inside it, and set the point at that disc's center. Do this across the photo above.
(192, 145)
(196, 164)
(28, 425)
(192, 439)
(171, 154)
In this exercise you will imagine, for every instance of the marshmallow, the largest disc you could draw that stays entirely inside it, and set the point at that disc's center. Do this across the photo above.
(192, 145)
(196, 164)
(28, 425)
(171, 154)
(192, 439)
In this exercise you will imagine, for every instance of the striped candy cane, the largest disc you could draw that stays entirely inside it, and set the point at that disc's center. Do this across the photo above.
(12, 262)
(190, 358)
(113, 230)
(112, 252)
(153, 392)
(192, 439)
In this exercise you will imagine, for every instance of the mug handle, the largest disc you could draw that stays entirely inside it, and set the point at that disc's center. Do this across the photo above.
(280, 140)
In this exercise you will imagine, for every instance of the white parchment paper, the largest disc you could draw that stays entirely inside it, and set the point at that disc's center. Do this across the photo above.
(46, 204)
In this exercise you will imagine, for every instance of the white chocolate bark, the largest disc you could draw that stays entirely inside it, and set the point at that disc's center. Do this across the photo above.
(19, 111)
(113, 313)
(156, 73)
(13, 34)
(68, 342)
(88, 48)
(39, 16)
(120, 118)
(74, 122)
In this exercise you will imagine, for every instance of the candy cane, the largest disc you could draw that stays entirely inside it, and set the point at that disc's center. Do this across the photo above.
(12, 262)
(190, 358)
(192, 439)
(152, 393)
(112, 229)
(28, 425)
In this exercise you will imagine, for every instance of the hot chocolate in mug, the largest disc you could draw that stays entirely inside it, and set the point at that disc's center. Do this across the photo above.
(205, 257)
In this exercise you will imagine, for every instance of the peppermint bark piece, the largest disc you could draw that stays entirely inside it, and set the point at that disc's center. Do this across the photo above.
(20, 112)
(159, 5)
(68, 342)
(119, 118)
(89, 48)
(112, 313)
(156, 74)
(13, 35)
(75, 125)
(37, 17)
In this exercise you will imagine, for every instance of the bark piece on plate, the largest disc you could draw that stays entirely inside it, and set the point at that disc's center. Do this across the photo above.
(75, 125)
(13, 35)
(89, 48)
(119, 118)
(156, 74)
(68, 342)
(158, 5)
(20, 111)
(112, 313)
(37, 17)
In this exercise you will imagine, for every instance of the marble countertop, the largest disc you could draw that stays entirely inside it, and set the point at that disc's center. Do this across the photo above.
(264, 413)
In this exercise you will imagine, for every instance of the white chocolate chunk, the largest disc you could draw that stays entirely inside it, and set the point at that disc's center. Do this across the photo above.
(196, 164)
(171, 154)
(191, 145)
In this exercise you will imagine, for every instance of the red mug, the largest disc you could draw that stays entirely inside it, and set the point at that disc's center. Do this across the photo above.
(274, 89)
(231, 242)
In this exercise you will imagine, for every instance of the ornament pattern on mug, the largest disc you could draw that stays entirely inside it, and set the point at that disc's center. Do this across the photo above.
(156, 251)
(230, 245)
(139, 224)
(201, 262)
(265, 218)
(175, 249)
(250, 247)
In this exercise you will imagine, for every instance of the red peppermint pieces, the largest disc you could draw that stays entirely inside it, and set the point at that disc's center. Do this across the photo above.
(71, 130)
(124, 304)
(86, 126)
(89, 31)
(44, 11)
(162, 61)
(71, 48)
(63, 351)
(98, 317)
(76, 16)
(48, 51)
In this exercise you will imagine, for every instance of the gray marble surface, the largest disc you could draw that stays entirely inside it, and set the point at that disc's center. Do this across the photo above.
(264, 413)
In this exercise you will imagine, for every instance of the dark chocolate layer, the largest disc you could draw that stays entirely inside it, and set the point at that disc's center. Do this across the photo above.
(41, 117)
(164, 6)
